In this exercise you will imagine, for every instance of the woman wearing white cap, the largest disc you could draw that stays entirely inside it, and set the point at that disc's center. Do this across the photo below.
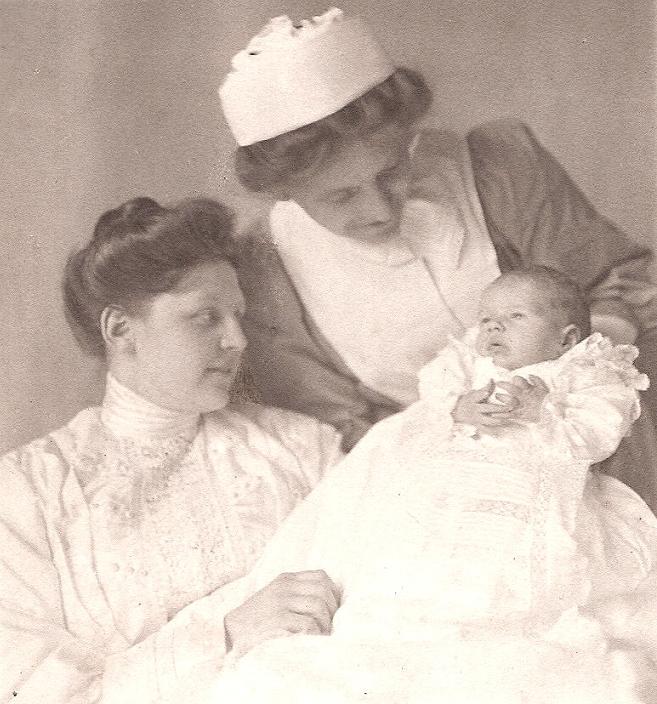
(383, 236)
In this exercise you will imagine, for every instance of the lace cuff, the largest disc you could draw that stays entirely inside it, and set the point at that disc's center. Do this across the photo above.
(180, 661)
(609, 363)
(594, 400)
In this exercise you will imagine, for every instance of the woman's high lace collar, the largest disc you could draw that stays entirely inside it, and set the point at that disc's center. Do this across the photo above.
(126, 413)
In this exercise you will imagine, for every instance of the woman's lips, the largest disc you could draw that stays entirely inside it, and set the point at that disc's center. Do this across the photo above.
(224, 369)
(227, 365)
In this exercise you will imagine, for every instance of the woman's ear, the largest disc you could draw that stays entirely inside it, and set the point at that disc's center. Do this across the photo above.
(570, 336)
(117, 329)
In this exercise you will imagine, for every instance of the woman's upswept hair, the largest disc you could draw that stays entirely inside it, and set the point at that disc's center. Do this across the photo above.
(138, 250)
(399, 101)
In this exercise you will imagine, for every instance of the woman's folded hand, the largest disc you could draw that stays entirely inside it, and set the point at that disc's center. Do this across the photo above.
(295, 602)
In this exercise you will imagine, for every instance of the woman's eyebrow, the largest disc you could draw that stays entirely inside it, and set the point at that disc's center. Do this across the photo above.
(340, 189)
(337, 192)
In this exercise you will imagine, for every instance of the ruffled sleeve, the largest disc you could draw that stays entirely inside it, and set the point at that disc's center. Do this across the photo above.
(594, 401)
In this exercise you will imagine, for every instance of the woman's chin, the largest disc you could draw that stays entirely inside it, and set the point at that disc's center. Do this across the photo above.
(213, 400)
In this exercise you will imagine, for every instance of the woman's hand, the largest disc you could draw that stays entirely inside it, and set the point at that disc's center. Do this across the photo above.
(295, 602)
(474, 408)
(528, 395)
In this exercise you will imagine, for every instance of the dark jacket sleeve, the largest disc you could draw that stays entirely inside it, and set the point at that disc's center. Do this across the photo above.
(537, 215)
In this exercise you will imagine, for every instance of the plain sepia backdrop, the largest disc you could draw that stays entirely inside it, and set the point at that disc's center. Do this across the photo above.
(104, 101)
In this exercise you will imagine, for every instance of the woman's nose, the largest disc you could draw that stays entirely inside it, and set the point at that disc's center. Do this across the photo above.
(232, 337)
(495, 325)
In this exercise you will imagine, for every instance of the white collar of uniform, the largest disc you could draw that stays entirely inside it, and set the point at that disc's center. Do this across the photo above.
(289, 222)
(434, 228)
(127, 413)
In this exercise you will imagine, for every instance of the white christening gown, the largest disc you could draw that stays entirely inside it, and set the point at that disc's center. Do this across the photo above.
(465, 560)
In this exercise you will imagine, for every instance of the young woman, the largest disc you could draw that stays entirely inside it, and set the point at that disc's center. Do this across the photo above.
(383, 235)
(115, 527)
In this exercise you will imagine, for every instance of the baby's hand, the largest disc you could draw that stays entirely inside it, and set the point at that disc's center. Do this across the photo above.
(474, 409)
(528, 395)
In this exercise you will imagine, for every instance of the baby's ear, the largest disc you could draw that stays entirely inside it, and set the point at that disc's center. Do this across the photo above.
(570, 336)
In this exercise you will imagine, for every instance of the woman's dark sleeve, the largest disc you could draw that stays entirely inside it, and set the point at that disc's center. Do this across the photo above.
(537, 215)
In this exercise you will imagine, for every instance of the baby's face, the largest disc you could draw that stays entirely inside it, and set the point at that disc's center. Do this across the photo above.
(515, 328)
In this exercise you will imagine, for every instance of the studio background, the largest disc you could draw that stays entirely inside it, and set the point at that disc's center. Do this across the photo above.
(101, 102)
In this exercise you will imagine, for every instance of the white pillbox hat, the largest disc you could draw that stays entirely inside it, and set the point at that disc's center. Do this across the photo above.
(293, 75)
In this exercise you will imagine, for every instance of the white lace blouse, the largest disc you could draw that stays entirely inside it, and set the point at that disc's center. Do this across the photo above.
(112, 525)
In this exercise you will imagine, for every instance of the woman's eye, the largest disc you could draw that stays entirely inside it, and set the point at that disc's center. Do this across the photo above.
(483, 321)
(206, 317)
(341, 197)
(517, 316)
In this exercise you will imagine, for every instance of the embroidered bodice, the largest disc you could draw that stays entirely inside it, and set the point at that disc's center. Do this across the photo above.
(129, 514)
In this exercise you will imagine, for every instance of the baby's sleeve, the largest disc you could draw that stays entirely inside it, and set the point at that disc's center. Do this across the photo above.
(594, 400)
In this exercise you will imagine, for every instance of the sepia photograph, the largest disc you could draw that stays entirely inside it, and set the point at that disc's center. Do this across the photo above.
(329, 352)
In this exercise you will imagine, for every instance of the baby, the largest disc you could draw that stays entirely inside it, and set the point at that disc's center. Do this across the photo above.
(526, 317)
(451, 527)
